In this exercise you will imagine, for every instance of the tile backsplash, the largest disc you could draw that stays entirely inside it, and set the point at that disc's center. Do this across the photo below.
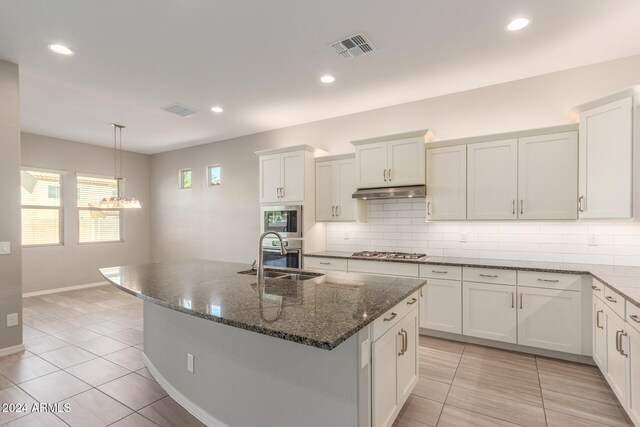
(399, 225)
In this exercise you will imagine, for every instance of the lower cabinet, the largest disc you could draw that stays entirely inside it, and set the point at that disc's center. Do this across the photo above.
(394, 369)
(550, 319)
(617, 353)
(441, 306)
(634, 375)
(599, 334)
(489, 311)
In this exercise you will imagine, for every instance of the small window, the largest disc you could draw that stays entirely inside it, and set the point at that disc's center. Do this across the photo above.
(42, 212)
(96, 224)
(214, 175)
(185, 179)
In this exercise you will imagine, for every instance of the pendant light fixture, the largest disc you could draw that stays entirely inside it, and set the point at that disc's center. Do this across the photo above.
(119, 202)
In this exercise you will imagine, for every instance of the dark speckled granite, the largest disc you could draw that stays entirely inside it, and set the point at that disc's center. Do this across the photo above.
(321, 312)
(623, 280)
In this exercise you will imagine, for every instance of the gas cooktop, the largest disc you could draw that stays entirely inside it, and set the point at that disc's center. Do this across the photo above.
(388, 255)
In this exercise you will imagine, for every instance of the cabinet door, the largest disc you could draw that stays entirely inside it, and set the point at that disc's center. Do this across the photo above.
(384, 378)
(447, 183)
(489, 311)
(441, 306)
(492, 180)
(634, 376)
(292, 176)
(548, 176)
(325, 191)
(270, 181)
(345, 187)
(408, 367)
(406, 161)
(371, 165)
(605, 160)
(551, 319)
(599, 335)
(616, 363)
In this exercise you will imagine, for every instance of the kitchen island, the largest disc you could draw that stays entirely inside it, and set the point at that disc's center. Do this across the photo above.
(330, 351)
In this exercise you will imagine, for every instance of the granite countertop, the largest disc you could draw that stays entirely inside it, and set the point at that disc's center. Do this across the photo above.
(321, 312)
(622, 279)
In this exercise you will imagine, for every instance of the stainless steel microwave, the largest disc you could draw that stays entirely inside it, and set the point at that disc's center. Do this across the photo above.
(286, 220)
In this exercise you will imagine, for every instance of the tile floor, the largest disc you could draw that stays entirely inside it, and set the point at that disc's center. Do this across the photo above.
(83, 348)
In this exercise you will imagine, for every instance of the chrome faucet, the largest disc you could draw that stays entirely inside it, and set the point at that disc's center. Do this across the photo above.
(283, 251)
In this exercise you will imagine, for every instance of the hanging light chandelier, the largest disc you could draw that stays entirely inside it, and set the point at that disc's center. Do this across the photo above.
(119, 202)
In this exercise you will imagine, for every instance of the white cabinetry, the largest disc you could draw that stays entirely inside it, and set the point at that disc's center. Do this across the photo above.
(489, 311)
(634, 375)
(492, 180)
(548, 176)
(550, 318)
(441, 301)
(447, 183)
(599, 334)
(394, 364)
(605, 160)
(617, 350)
(282, 177)
(335, 183)
(390, 163)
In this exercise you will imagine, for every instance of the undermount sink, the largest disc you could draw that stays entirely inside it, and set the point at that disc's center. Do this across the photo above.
(273, 274)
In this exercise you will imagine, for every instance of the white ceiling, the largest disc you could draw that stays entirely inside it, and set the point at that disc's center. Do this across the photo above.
(261, 60)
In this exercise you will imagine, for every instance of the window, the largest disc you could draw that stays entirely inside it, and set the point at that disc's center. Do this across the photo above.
(96, 224)
(213, 175)
(185, 179)
(42, 212)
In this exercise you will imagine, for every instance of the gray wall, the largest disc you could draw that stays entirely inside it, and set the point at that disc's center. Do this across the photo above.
(10, 265)
(222, 222)
(51, 267)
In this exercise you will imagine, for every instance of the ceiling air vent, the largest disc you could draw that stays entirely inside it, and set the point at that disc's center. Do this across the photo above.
(352, 46)
(180, 109)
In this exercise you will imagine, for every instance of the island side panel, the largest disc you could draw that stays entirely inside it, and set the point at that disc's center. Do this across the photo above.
(282, 382)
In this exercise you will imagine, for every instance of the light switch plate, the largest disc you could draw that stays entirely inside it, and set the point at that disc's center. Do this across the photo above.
(190, 362)
(12, 320)
(5, 248)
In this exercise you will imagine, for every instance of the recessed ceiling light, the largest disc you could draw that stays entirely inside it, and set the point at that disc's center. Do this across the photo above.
(517, 24)
(327, 78)
(217, 109)
(60, 49)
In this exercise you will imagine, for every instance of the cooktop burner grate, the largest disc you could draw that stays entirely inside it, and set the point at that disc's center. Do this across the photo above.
(388, 255)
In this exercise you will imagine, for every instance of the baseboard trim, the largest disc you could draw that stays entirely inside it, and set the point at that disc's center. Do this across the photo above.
(588, 360)
(182, 400)
(67, 288)
(11, 350)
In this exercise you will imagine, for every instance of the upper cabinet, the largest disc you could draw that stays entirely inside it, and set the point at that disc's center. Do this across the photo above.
(390, 163)
(335, 183)
(492, 179)
(605, 165)
(282, 177)
(447, 183)
(548, 176)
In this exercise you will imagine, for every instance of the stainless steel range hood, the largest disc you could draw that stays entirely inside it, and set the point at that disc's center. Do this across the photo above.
(416, 191)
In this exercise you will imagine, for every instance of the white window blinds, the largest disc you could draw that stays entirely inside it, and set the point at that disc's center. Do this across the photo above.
(96, 224)
(42, 212)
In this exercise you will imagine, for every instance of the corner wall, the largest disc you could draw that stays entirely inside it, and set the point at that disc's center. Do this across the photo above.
(10, 223)
(52, 267)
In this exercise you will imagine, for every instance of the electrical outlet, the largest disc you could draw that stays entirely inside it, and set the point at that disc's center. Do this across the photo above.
(190, 362)
(12, 320)
(5, 248)
(593, 240)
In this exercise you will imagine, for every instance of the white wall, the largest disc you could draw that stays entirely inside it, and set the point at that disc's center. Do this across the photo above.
(222, 223)
(399, 225)
(52, 267)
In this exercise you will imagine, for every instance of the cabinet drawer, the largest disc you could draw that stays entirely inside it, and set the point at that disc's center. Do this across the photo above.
(597, 288)
(441, 272)
(633, 315)
(385, 322)
(533, 279)
(489, 275)
(325, 263)
(383, 267)
(614, 301)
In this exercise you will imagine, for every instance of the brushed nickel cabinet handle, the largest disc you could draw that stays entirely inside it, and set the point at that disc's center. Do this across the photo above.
(521, 207)
(401, 353)
(618, 341)
(428, 208)
(389, 175)
(549, 280)
(635, 318)
(513, 303)
(333, 211)
(439, 271)
(393, 316)
(611, 299)
(595, 288)
(406, 340)
(521, 298)
(580, 207)
(513, 207)
(384, 173)
(598, 319)
(623, 334)
(338, 210)
(413, 301)
(325, 263)
(421, 292)
(493, 276)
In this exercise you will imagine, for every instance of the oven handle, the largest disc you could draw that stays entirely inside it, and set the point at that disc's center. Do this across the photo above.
(277, 249)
